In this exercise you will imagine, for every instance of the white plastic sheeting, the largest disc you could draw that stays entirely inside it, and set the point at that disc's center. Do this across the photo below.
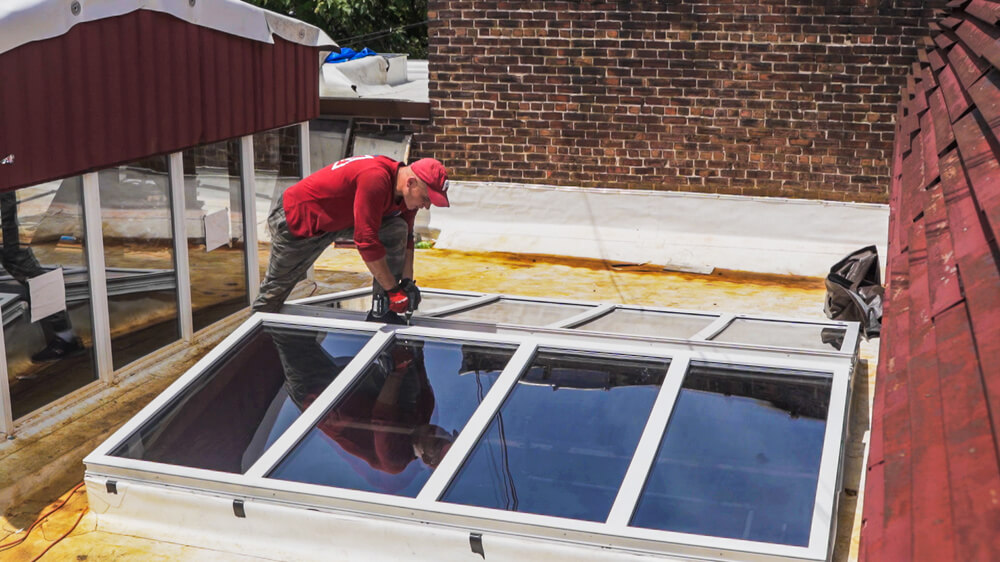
(685, 231)
(24, 21)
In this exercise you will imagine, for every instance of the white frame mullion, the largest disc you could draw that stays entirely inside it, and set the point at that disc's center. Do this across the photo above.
(304, 155)
(178, 215)
(312, 415)
(97, 272)
(713, 329)
(583, 317)
(249, 184)
(477, 424)
(829, 477)
(461, 306)
(6, 407)
(649, 443)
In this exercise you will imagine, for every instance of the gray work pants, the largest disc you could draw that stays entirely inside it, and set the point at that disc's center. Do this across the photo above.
(291, 256)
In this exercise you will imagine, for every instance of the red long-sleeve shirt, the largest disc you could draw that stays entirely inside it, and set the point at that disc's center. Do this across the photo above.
(356, 192)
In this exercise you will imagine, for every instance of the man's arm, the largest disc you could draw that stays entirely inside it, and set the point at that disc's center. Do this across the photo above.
(408, 264)
(380, 271)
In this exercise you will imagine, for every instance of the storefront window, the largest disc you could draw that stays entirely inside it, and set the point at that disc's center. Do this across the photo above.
(49, 345)
(277, 166)
(139, 255)
(216, 246)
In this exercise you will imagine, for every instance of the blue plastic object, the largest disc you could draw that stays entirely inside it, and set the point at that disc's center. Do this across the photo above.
(348, 53)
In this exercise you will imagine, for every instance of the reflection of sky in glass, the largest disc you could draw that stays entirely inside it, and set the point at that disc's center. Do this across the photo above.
(649, 323)
(362, 445)
(563, 439)
(525, 313)
(227, 419)
(768, 332)
(733, 464)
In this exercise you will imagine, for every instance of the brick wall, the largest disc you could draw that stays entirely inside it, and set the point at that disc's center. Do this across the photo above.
(789, 98)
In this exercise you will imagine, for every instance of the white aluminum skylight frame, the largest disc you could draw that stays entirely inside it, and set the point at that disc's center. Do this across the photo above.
(615, 532)
(568, 325)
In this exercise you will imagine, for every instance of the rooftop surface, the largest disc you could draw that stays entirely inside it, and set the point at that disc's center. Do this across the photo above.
(341, 269)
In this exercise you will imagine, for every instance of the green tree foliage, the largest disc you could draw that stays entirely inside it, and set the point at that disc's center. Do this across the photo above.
(386, 26)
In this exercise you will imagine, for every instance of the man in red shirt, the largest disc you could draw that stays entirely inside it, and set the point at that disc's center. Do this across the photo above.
(371, 199)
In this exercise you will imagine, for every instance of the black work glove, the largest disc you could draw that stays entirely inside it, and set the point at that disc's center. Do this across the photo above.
(412, 292)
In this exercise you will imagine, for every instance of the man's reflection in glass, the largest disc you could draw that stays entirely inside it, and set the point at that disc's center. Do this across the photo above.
(384, 419)
(20, 262)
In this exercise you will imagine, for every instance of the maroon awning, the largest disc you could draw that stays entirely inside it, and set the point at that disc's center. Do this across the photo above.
(122, 88)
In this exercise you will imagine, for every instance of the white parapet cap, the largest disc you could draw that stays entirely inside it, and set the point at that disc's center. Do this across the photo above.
(24, 21)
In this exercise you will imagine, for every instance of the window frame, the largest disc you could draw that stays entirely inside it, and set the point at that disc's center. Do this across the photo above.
(425, 507)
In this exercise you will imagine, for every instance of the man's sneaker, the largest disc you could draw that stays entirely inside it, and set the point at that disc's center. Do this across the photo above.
(389, 317)
(58, 349)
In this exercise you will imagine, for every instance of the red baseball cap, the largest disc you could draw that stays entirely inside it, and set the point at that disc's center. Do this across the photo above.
(433, 173)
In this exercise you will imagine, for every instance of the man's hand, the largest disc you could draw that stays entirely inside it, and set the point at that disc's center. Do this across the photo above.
(398, 301)
(412, 292)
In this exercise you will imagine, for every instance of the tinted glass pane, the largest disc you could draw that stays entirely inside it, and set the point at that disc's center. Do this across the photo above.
(784, 334)
(327, 142)
(216, 252)
(526, 313)
(227, 419)
(396, 424)
(649, 323)
(139, 244)
(277, 166)
(43, 231)
(740, 457)
(428, 302)
(563, 439)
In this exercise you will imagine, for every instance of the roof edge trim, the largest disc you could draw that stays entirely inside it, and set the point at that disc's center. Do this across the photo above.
(25, 21)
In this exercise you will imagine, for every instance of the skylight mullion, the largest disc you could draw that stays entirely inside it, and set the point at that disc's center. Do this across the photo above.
(477, 424)
(828, 483)
(714, 328)
(470, 304)
(583, 317)
(315, 411)
(321, 299)
(645, 451)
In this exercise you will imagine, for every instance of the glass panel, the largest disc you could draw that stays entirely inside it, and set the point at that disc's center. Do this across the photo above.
(649, 323)
(784, 334)
(327, 142)
(563, 439)
(740, 456)
(428, 302)
(409, 404)
(526, 313)
(277, 166)
(138, 249)
(42, 231)
(228, 417)
(214, 199)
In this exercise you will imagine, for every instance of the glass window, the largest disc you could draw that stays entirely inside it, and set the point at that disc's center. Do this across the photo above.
(526, 313)
(783, 334)
(139, 254)
(740, 457)
(235, 411)
(216, 249)
(649, 323)
(428, 301)
(42, 230)
(327, 141)
(390, 431)
(562, 441)
(277, 166)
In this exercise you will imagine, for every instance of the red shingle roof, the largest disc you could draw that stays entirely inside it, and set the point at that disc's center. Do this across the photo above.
(933, 483)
